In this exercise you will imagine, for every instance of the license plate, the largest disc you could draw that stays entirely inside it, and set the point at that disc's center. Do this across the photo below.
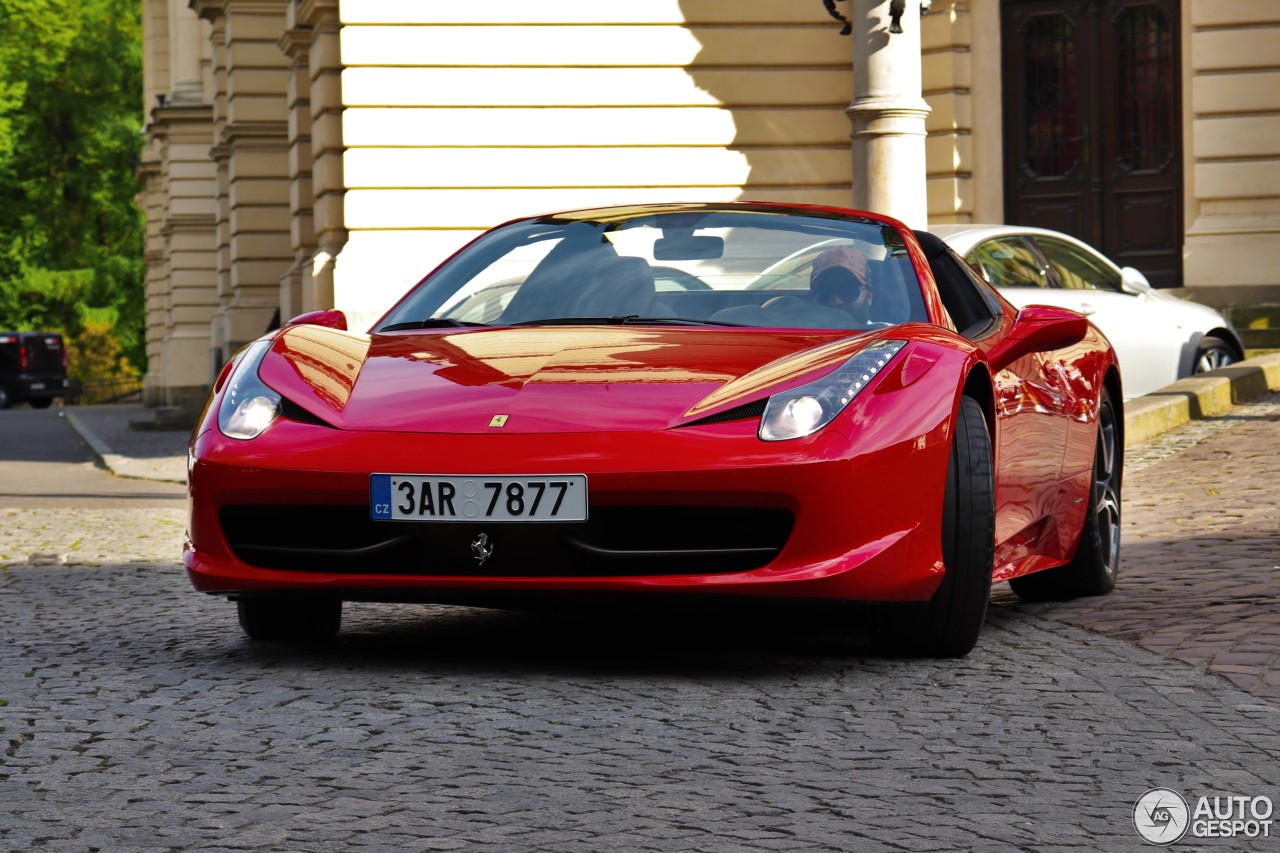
(419, 497)
(37, 386)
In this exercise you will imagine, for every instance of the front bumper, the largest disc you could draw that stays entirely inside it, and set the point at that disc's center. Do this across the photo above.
(819, 518)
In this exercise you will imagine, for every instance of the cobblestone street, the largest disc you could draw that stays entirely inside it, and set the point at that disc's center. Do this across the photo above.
(1200, 571)
(134, 716)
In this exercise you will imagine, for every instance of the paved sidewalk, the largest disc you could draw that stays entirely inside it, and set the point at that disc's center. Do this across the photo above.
(131, 453)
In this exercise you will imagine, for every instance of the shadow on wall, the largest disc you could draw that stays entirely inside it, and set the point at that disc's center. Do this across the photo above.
(781, 74)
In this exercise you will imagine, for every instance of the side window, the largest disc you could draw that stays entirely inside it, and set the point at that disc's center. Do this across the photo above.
(1007, 262)
(1078, 268)
(972, 310)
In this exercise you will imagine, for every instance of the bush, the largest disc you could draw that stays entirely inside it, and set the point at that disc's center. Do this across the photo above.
(98, 369)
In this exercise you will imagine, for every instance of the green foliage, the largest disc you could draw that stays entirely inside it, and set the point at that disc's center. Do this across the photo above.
(95, 362)
(71, 236)
(45, 300)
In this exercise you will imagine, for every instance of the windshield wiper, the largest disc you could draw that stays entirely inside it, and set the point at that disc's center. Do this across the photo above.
(430, 323)
(622, 320)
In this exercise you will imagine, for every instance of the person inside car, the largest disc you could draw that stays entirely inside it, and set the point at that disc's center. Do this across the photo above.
(839, 280)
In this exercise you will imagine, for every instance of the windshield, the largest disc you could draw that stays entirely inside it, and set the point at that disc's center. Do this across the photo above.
(720, 267)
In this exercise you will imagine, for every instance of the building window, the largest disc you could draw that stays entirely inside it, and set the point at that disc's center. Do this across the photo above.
(1145, 44)
(1050, 74)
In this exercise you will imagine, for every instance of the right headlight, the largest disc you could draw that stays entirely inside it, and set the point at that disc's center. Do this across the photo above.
(249, 406)
(805, 410)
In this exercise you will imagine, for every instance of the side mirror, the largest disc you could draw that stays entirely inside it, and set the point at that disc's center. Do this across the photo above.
(1039, 328)
(1133, 281)
(330, 319)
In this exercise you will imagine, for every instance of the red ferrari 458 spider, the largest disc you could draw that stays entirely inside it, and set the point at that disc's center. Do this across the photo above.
(537, 418)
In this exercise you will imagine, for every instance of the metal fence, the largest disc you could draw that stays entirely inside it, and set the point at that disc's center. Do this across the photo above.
(107, 391)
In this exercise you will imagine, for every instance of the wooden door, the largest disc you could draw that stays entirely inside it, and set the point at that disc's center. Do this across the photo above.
(1093, 128)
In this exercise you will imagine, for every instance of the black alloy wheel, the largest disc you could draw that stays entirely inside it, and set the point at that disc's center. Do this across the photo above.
(1096, 564)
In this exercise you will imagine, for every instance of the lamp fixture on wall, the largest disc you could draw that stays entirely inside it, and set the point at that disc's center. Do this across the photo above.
(896, 10)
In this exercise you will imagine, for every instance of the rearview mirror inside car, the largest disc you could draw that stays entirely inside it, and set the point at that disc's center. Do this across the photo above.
(688, 247)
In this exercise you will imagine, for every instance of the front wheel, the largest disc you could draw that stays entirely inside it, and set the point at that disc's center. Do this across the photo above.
(948, 624)
(275, 619)
(1093, 569)
(1212, 354)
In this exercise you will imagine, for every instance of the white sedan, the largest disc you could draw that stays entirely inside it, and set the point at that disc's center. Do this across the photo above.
(1158, 338)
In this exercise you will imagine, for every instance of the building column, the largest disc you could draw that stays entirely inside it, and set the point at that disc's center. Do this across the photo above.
(216, 79)
(185, 37)
(1231, 124)
(888, 113)
(251, 153)
(296, 44)
(187, 231)
(151, 200)
(960, 47)
(328, 183)
(177, 197)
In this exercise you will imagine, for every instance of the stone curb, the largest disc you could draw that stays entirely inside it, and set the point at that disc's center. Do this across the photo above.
(118, 464)
(1204, 396)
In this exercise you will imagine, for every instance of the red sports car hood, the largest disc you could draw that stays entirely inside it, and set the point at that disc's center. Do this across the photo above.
(542, 379)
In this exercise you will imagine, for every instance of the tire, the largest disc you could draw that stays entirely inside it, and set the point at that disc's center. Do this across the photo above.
(277, 619)
(1096, 563)
(948, 624)
(1212, 354)
(5, 399)
(42, 403)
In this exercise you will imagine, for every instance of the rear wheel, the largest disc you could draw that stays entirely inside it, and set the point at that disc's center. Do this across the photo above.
(5, 400)
(948, 624)
(1212, 354)
(1093, 569)
(274, 619)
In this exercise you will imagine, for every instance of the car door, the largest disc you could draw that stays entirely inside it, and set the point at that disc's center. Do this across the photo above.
(1031, 405)
(1146, 339)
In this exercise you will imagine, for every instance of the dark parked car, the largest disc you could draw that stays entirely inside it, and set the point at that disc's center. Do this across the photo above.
(33, 368)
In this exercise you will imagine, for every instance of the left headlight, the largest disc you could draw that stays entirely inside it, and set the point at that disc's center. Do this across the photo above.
(805, 410)
(249, 406)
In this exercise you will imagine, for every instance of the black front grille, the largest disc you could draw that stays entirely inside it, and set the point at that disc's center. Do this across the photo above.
(615, 541)
(747, 411)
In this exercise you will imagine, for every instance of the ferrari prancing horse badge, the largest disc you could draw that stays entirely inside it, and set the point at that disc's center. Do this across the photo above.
(482, 547)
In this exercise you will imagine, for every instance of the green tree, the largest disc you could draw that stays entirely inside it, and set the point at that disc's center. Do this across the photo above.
(71, 236)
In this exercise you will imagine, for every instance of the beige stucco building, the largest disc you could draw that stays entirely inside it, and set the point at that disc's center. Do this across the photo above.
(306, 154)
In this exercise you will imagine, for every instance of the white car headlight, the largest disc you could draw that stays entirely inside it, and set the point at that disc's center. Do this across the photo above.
(805, 410)
(249, 406)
